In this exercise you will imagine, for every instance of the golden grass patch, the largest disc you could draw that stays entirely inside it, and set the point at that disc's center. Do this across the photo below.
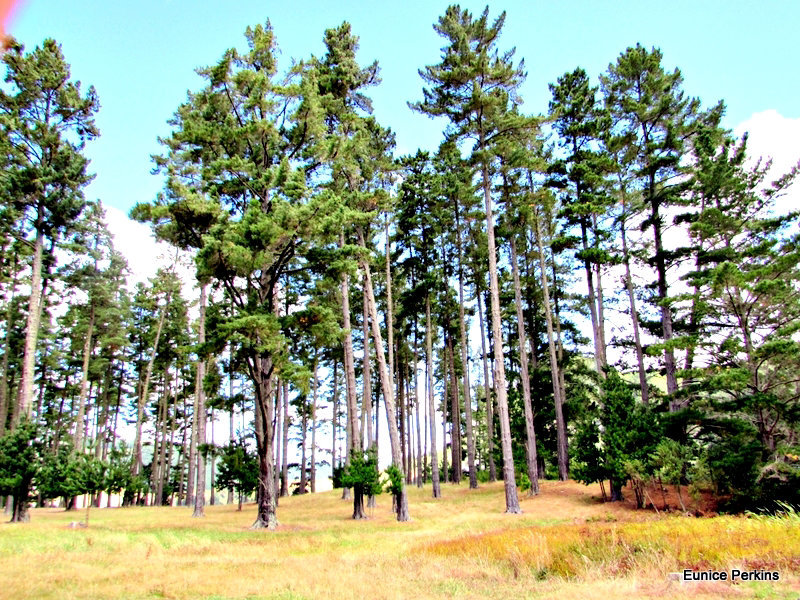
(567, 545)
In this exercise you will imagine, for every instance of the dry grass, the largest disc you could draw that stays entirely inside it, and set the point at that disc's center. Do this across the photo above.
(565, 545)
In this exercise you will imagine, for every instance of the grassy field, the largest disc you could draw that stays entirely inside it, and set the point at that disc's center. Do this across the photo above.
(566, 545)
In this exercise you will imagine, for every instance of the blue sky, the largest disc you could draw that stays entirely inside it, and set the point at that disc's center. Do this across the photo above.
(141, 57)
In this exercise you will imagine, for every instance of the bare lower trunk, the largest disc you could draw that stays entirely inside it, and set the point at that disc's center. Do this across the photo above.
(525, 378)
(670, 366)
(599, 347)
(5, 395)
(455, 415)
(387, 386)
(487, 391)
(25, 403)
(192, 459)
(82, 396)
(285, 442)
(266, 517)
(367, 380)
(464, 341)
(314, 387)
(416, 411)
(634, 315)
(200, 395)
(145, 389)
(512, 500)
(561, 429)
(437, 492)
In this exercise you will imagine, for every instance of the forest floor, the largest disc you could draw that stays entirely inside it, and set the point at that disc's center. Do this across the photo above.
(567, 544)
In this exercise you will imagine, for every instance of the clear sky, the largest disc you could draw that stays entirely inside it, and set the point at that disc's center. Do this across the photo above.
(141, 57)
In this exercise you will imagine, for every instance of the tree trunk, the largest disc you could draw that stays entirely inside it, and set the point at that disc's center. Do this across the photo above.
(455, 415)
(487, 390)
(314, 389)
(386, 384)
(473, 474)
(266, 518)
(601, 319)
(599, 348)
(420, 472)
(666, 310)
(525, 378)
(512, 500)
(335, 419)
(25, 403)
(437, 492)
(285, 442)
(561, 429)
(87, 353)
(634, 315)
(231, 432)
(145, 389)
(200, 402)
(5, 394)
(445, 386)
(367, 379)
(277, 447)
(303, 446)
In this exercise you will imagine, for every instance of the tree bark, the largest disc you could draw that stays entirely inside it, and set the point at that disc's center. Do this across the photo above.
(455, 415)
(512, 500)
(634, 315)
(266, 518)
(525, 378)
(25, 403)
(464, 342)
(314, 389)
(145, 389)
(386, 384)
(487, 391)
(200, 396)
(437, 492)
(285, 442)
(561, 429)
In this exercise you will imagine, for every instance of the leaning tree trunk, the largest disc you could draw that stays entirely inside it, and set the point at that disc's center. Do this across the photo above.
(84, 391)
(594, 305)
(670, 365)
(200, 403)
(512, 500)
(530, 446)
(473, 474)
(350, 372)
(634, 315)
(561, 429)
(145, 389)
(437, 492)
(387, 386)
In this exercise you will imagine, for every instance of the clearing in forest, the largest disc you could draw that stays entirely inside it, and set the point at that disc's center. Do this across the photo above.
(567, 544)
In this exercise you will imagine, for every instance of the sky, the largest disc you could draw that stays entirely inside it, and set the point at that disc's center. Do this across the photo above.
(141, 56)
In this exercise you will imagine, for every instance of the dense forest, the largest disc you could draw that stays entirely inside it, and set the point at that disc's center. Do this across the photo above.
(606, 292)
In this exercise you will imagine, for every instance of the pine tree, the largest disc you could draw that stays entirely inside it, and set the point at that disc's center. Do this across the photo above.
(474, 87)
(47, 123)
(654, 125)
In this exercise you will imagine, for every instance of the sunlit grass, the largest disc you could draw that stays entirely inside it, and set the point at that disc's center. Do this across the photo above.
(565, 545)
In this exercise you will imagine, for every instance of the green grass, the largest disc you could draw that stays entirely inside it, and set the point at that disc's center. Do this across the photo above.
(566, 544)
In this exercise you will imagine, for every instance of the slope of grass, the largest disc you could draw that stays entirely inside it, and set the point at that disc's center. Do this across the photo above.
(565, 545)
